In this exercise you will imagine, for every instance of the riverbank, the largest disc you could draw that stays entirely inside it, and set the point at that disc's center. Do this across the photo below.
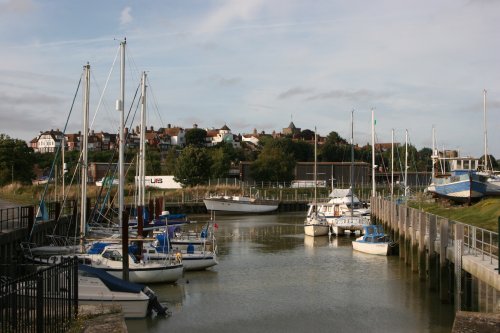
(483, 214)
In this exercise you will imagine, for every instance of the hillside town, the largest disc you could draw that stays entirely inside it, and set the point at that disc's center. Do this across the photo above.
(163, 138)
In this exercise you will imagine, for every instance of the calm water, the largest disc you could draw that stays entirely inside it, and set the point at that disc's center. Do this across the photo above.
(272, 278)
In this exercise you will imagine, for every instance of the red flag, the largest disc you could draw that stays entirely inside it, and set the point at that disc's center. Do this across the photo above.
(216, 226)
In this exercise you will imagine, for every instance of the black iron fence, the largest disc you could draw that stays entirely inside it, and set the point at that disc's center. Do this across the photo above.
(44, 301)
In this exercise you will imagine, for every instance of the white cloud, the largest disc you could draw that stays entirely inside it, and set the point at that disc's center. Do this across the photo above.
(125, 16)
(231, 11)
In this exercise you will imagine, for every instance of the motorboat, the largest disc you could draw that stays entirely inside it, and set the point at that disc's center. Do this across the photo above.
(373, 241)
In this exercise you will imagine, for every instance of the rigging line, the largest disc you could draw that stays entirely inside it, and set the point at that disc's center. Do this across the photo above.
(382, 159)
(105, 86)
(133, 69)
(56, 154)
(66, 194)
(155, 104)
(132, 104)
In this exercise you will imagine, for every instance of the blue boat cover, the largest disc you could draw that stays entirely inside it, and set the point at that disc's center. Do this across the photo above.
(112, 282)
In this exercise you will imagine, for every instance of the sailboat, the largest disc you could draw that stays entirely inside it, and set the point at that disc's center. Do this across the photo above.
(492, 177)
(349, 213)
(315, 223)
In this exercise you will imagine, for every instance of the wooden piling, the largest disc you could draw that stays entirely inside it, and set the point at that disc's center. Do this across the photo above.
(432, 257)
(444, 281)
(422, 260)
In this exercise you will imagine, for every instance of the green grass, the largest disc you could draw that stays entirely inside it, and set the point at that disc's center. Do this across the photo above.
(483, 214)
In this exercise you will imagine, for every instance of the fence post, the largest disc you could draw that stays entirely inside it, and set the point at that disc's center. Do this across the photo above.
(31, 217)
(39, 302)
(75, 286)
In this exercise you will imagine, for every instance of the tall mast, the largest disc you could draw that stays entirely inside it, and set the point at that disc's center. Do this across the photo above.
(63, 146)
(373, 153)
(485, 133)
(142, 152)
(120, 108)
(392, 163)
(406, 163)
(352, 163)
(84, 158)
(315, 166)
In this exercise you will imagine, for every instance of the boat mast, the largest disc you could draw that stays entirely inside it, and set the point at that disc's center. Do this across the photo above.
(315, 167)
(63, 146)
(121, 147)
(84, 158)
(352, 163)
(142, 151)
(392, 163)
(120, 106)
(485, 133)
(406, 163)
(373, 153)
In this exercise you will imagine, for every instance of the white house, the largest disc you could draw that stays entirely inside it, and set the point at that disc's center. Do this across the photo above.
(49, 141)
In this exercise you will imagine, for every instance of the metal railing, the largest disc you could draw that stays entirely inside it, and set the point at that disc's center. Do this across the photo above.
(14, 218)
(45, 301)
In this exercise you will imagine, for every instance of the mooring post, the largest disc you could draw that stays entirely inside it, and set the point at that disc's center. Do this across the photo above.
(422, 262)
(415, 222)
(458, 247)
(444, 285)
(402, 247)
(432, 256)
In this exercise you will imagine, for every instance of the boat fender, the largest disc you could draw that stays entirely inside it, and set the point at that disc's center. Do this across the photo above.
(178, 257)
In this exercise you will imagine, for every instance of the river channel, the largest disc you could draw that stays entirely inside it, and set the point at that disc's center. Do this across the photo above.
(272, 278)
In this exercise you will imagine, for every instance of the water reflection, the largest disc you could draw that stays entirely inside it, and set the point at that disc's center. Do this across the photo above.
(272, 278)
(312, 242)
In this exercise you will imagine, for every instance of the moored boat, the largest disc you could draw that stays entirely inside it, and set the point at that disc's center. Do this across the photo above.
(240, 204)
(373, 241)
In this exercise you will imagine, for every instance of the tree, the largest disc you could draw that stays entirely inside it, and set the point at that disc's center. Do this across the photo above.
(221, 163)
(273, 164)
(193, 166)
(16, 161)
(300, 151)
(196, 137)
(307, 135)
(335, 149)
(169, 162)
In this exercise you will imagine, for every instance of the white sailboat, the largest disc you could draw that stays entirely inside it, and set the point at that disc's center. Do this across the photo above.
(315, 223)
(492, 177)
(349, 214)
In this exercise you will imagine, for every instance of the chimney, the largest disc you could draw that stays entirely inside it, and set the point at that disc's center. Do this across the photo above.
(169, 126)
(195, 125)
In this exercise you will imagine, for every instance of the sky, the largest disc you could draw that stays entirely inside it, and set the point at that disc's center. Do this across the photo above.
(260, 64)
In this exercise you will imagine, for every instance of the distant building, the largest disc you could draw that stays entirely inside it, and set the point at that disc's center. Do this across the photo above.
(47, 142)
(216, 136)
(291, 130)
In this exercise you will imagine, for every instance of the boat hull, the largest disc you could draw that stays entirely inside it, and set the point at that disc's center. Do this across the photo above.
(316, 229)
(381, 249)
(460, 186)
(165, 274)
(91, 291)
(228, 205)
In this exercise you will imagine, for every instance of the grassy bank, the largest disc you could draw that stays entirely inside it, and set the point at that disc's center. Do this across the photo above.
(483, 214)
